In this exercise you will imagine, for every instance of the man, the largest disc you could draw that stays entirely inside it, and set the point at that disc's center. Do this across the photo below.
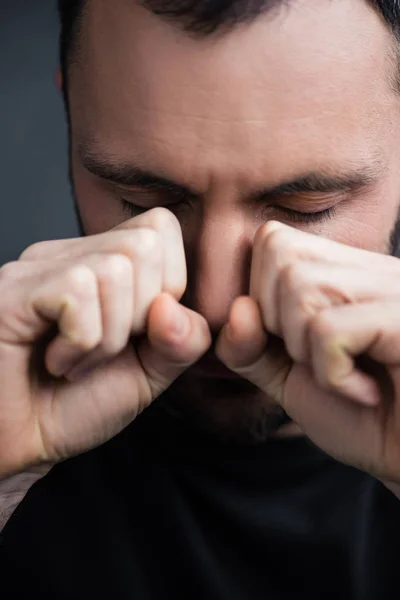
(200, 397)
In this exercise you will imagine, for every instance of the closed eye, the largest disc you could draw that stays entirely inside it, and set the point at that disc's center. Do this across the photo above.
(307, 217)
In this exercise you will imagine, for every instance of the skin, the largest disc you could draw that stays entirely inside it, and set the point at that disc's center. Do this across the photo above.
(305, 314)
(228, 116)
(75, 304)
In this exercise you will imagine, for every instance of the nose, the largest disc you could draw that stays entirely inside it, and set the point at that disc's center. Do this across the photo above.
(219, 260)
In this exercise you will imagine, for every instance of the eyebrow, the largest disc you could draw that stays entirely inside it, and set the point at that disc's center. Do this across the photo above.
(129, 175)
(323, 182)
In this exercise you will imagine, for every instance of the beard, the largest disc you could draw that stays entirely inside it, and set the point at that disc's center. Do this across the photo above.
(231, 409)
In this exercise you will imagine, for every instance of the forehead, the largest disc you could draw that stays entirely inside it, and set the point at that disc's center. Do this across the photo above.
(312, 80)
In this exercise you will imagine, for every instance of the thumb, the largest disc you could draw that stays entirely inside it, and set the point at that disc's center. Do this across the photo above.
(245, 348)
(177, 337)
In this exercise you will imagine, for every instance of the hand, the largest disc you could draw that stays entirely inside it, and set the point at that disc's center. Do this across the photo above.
(91, 332)
(337, 310)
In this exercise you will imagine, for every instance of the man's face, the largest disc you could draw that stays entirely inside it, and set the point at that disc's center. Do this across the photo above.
(295, 112)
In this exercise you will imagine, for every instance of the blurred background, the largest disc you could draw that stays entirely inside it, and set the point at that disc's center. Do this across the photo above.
(35, 200)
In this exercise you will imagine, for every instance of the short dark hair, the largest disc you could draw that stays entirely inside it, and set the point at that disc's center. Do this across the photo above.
(199, 16)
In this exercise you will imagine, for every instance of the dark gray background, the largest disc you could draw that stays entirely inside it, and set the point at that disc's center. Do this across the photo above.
(35, 201)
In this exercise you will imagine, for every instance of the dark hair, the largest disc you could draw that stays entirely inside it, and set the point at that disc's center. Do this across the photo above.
(200, 16)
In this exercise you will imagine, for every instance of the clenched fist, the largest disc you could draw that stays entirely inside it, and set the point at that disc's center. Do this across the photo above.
(91, 332)
(337, 374)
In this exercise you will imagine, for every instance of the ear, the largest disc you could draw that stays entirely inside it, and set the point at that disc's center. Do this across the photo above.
(59, 80)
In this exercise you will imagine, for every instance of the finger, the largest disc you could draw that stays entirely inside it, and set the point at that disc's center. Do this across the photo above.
(306, 288)
(41, 278)
(257, 265)
(19, 324)
(299, 299)
(346, 430)
(243, 346)
(29, 274)
(165, 223)
(243, 338)
(339, 335)
(146, 264)
(126, 292)
(116, 291)
(122, 239)
(72, 301)
(277, 247)
(344, 378)
(136, 377)
(148, 276)
(17, 281)
(177, 338)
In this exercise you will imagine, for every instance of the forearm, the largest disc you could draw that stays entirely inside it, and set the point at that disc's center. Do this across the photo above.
(14, 489)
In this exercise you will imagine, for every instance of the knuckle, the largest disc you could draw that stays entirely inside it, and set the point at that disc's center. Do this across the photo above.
(36, 250)
(293, 278)
(11, 271)
(322, 328)
(115, 267)
(80, 337)
(81, 281)
(307, 303)
(267, 229)
(279, 248)
(143, 243)
(273, 239)
(163, 219)
(262, 234)
(299, 283)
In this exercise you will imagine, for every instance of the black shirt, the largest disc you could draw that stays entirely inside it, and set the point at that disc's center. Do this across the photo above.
(163, 511)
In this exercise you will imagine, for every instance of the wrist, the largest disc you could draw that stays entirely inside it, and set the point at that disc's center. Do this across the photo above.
(23, 481)
(14, 489)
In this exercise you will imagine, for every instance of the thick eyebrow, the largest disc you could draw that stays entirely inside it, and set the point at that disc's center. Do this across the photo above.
(130, 175)
(322, 182)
